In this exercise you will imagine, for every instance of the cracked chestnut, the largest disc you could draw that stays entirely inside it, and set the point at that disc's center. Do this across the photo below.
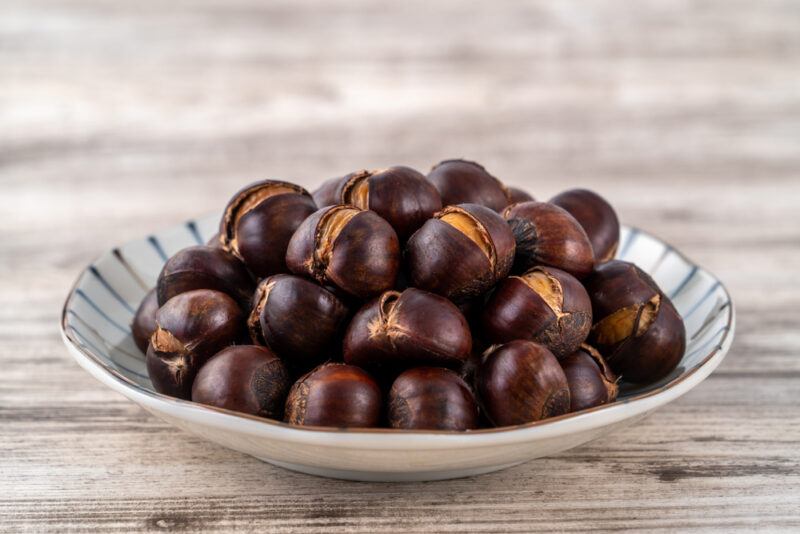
(204, 267)
(545, 305)
(431, 398)
(461, 252)
(521, 382)
(298, 319)
(259, 221)
(144, 320)
(190, 328)
(354, 250)
(636, 328)
(401, 195)
(466, 182)
(335, 395)
(548, 235)
(243, 378)
(597, 218)
(591, 381)
(397, 330)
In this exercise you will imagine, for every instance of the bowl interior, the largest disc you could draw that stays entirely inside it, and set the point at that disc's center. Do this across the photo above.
(100, 308)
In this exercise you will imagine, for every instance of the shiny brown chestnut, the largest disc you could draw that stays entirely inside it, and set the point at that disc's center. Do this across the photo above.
(259, 221)
(466, 182)
(336, 395)
(636, 328)
(549, 235)
(397, 330)
(243, 378)
(298, 319)
(190, 328)
(327, 193)
(461, 252)
(517, 195)
(204, 267)
(431, 398)
(352, 249)
(597, 218)
(144, 320)
(591, 381)
(521, 382)
(545, 305)
(401, 195)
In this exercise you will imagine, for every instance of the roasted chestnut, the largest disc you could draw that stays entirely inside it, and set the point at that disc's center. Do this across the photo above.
(466, 182)
(545, 305)
(516, 195)
(259, 221)
(549, 235)
(204, 267)
(334, 394)
(396, 331)
(460, 253)
(298, 319)
(327, 193)
(636, 328)
(591, 382)
(352, 249)
(597, 218)
(144, 320)
(401, 195)
(244, 378)
(431, 398)
(521, 382)
(190, 328)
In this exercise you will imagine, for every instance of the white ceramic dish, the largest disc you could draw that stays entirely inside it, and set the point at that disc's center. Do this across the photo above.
(99, 309)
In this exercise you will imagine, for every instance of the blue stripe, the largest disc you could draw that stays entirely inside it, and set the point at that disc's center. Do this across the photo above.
(109, 361)
(710, 319)
(138, 356)
(91, 303)
(684, 283)
(153, 240)
(192, 226)
(122, 261)
(626, 247)
(709, 340)
(96, 273)
(702, 300)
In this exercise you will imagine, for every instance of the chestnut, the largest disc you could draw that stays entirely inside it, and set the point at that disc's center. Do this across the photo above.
(397, 330)
(431, 398)
(243, 378)
(259, 221)
(466, 182)
(215, 241)
(521, 382)
(545, 305)
(298, 319)
(190, 328)
(597, 218)
(327, 193)
(353, 249)
(549, 235)
(636, 328)
(517, 195)
(144, 320)
(401, 195)
(204, 267)
(337, 395)
(591, 382)
(461, 252)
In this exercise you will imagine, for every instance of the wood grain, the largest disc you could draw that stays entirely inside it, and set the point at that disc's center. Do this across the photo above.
(120, 118)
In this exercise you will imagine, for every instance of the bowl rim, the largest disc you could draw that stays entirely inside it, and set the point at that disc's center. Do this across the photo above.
(386, 437)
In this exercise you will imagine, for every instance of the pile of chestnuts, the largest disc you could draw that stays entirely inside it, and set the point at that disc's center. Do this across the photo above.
(387, 298)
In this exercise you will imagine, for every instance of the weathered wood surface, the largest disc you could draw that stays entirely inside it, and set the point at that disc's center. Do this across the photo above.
(121, 118)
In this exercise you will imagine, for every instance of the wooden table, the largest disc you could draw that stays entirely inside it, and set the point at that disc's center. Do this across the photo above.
(119, 118)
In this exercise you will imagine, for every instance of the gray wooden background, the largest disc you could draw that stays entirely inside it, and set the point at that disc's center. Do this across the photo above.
(119, 118)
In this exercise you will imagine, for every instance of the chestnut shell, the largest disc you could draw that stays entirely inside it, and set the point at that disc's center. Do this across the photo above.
(597, 218)
(335, 395)
(243, 378)
(431, 398)
(466, 182)
(591, 381)
(144, 320)
(517, 195)
(548, 235)
(521, 382)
